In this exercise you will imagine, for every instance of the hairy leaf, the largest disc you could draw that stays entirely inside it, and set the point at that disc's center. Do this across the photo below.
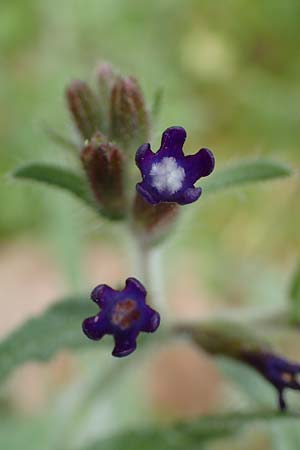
(245, 172)
(191, 435)
(40, 338)
(57, 176)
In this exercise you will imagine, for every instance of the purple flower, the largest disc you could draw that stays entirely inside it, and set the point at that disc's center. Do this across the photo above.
(278, 371)
(124, 314)
(169, 175)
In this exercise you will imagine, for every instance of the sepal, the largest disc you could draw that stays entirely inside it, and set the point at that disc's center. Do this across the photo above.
(153, 222)
(103, 163)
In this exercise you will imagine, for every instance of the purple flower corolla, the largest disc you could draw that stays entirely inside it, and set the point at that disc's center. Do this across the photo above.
(278, 371)
(168, 175)
(123, 314)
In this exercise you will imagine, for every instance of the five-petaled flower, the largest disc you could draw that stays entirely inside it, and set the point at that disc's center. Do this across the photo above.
(169, 175)
(278, 371)
(124, 314)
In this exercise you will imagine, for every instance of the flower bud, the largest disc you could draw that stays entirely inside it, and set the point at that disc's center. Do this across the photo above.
(153, 222)
(103, 164)
(129, 117)
(106, 76)
(84, 108)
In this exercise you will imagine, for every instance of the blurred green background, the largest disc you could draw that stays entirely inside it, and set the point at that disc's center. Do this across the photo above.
(230, 75)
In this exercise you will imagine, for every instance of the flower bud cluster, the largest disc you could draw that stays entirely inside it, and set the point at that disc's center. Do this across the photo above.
(113, 122)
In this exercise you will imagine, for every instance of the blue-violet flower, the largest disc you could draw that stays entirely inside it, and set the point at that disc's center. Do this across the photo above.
(278, 371)
(168, 175)
(124, 314)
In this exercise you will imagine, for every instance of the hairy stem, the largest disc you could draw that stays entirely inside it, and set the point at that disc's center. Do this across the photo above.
(148, 269)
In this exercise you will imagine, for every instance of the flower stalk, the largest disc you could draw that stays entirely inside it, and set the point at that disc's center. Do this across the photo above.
(148, 266)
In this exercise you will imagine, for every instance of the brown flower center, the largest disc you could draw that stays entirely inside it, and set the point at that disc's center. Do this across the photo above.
(125, 313)
(287, 377)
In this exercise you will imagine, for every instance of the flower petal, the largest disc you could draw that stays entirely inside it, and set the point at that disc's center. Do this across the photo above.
(102, 293)
(132, 284)
(200, 165)
(152, 321)
(286, 366)
(190, 195)
(124, 347)
(143, 157)
(94, 327)
(172, 142)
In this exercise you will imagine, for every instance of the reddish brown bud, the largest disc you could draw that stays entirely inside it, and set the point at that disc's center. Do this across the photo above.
(106, 76)
(129, 117)
(84, 108)
(103, 164)
(153, 222)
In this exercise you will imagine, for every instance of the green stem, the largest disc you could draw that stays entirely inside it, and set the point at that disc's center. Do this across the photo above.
(143, 262)
(148, 270)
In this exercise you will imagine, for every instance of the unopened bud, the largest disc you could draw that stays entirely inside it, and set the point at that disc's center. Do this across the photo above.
(130, 122)
(84, 108)
(106, 76)
(103, 164)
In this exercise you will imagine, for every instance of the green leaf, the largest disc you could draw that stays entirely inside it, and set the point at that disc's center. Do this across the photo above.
(40, 338)
(191, 435)
(60, 177)
(245, 172)
(294, 297)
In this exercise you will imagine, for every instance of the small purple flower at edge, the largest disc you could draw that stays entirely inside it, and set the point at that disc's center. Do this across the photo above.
(124, 314)
(278, 371)
(168, 175)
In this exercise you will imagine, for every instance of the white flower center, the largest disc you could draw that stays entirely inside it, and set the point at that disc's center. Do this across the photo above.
(167, 175)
